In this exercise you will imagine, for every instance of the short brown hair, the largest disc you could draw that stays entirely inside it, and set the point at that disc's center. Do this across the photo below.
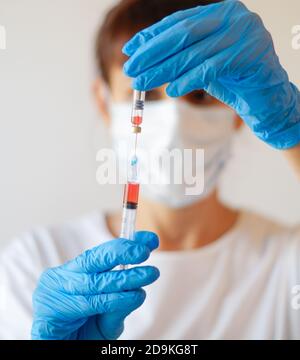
(127, 18)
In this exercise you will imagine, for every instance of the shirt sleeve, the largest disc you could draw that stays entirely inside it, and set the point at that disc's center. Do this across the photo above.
(20, 269)
(22, 263)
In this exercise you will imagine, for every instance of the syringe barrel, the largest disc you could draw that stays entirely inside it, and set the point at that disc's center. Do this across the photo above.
(128, 223)
(139, 96)
(127, 227)
(130, 204)
(138, 107)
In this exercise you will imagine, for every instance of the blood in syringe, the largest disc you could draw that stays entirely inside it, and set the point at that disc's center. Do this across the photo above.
(137, 120)
(131, 194)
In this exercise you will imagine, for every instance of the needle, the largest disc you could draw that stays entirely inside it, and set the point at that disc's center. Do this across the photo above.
(135, 145)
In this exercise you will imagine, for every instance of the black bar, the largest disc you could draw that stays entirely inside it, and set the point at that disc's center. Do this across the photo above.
(152, 349)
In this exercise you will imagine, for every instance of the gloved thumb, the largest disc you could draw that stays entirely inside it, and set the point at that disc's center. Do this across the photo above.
(111, 324)
(148, 239)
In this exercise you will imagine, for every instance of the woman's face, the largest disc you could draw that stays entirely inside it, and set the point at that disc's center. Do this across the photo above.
(121, 91)
(211, 136)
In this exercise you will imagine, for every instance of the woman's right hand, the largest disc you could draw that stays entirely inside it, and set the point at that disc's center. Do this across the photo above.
(224, 49)
(86, 299)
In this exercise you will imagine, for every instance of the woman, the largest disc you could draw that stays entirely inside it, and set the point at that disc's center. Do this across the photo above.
(224, 274)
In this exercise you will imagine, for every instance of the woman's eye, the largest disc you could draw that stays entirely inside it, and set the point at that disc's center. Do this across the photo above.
(153, 95)
(200, 97)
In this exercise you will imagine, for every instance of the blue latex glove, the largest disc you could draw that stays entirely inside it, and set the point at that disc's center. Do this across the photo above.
(86, 299)
(224, 49)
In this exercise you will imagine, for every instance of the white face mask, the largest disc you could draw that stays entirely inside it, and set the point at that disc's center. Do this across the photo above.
(175, 124)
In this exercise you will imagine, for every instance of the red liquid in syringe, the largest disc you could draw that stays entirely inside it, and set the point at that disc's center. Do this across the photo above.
(137, 120)
(131, 194)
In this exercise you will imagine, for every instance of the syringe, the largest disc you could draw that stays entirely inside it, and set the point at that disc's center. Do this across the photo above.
(131, 191)
(137, 114)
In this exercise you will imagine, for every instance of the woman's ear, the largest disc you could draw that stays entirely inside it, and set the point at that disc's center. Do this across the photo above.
(101, 96)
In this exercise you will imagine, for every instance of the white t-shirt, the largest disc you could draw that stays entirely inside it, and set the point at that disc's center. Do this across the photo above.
(239, 287)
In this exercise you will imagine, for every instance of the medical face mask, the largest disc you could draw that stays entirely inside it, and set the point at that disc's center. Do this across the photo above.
(173, 127)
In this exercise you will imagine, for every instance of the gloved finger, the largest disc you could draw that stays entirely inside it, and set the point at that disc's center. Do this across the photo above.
(113, 253)
(108, 303)
(147, 238)
(131, 279)
(175, 66)
(90, 330)
(142, 37)
(42, 329)
(150, 32)
(222, 92)
(186, 83)
(108, 282)
(107, 326)
(178, 37)
(111, 325)
(201, 76)
(234, 59)
(165, 45)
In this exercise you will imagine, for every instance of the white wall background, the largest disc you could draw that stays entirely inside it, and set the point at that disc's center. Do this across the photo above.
(48, 122)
